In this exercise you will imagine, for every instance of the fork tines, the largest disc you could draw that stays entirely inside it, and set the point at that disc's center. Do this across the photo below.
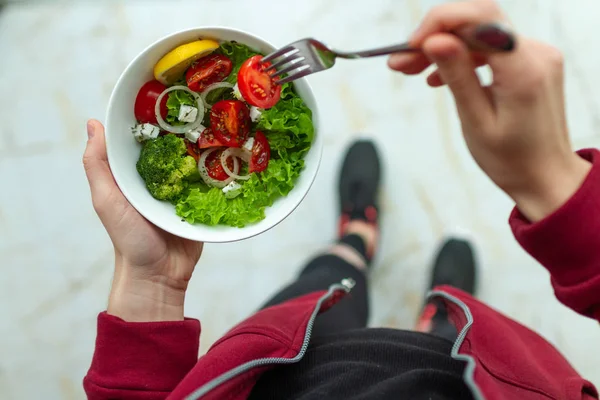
(290, 59)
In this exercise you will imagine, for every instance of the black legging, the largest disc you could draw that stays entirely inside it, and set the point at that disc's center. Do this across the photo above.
(351, 312)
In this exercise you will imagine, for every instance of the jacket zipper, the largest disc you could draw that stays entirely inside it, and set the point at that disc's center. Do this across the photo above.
(468, 376)
(346, 285)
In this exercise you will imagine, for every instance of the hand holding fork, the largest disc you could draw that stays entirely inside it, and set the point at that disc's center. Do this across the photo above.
(308, 56)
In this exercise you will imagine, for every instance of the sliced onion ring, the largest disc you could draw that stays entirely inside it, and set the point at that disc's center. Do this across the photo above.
(212, 87)
(204, 172)
(233, 174)
(242, 153)
(181, 128)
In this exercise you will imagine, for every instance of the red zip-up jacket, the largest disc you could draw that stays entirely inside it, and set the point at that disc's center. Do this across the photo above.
(504, 359)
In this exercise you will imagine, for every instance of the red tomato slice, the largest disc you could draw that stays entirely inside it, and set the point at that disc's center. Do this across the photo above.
(192, 149)
(208, 70)
(230, 122)
(261, 153)
(208, 139)
(214, 168)
(146, 101)
(256, 85)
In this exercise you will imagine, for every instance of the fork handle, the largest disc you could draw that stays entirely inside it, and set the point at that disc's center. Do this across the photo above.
(487, 38)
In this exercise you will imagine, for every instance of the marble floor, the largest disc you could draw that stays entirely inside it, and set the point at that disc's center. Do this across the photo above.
(60, 61)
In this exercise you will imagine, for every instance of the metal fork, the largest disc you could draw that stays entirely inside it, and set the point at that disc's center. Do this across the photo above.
(308, 56)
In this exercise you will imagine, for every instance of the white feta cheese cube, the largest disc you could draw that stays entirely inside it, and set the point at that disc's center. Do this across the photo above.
(236, 93)
(150, 131)
(137, 132)
(194, 135)
(255, 113)
(249, 144)
(187, 113)
(143, 132)
(233, 189)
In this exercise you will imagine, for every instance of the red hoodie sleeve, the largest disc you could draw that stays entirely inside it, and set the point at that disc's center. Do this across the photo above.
(567, 243)
(140, 360)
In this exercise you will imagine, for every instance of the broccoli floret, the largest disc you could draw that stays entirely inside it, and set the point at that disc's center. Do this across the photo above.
(165, 167)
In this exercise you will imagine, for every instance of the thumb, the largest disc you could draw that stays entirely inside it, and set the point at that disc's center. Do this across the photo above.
(457, 70)
(95, 163)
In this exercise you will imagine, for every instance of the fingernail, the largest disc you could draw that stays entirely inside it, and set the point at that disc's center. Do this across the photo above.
(91, 129)
(496, 36)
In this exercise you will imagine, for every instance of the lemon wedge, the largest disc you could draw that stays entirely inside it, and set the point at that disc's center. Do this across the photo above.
(173, 64)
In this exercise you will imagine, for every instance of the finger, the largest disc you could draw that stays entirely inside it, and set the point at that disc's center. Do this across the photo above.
(451, 16)
(508, 68)
(457, 70)
(95, 162)
(521, 72)
(409, 64)
(435, 79)
(415, 63)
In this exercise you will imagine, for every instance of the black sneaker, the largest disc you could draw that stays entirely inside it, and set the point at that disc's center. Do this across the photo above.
(455, 266)
(359, 184)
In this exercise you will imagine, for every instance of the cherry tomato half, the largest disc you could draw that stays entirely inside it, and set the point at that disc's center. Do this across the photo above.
(192, 149)
(230, 122)
(214, 168)
(256, 85)
(207, 139)
(261, 153)
(208, 70)
(146, 101)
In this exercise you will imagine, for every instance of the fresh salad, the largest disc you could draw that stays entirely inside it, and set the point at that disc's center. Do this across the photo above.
(221, 140)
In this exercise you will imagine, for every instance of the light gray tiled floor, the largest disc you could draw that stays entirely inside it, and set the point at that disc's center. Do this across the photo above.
(55, 259)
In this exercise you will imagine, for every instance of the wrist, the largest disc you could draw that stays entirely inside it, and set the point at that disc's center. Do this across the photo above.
(136, 299)
(551, 189)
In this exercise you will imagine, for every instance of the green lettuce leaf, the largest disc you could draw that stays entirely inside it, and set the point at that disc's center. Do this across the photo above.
(219, 94)
(259, 192)
(237, 53)
(174, 101)
(285, 146)
(290, 115)
(202, 207)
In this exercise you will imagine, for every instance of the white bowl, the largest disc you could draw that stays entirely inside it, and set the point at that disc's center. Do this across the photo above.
(123, 150)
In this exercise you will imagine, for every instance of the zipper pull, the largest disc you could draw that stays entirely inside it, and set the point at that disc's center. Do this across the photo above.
(348, 283)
